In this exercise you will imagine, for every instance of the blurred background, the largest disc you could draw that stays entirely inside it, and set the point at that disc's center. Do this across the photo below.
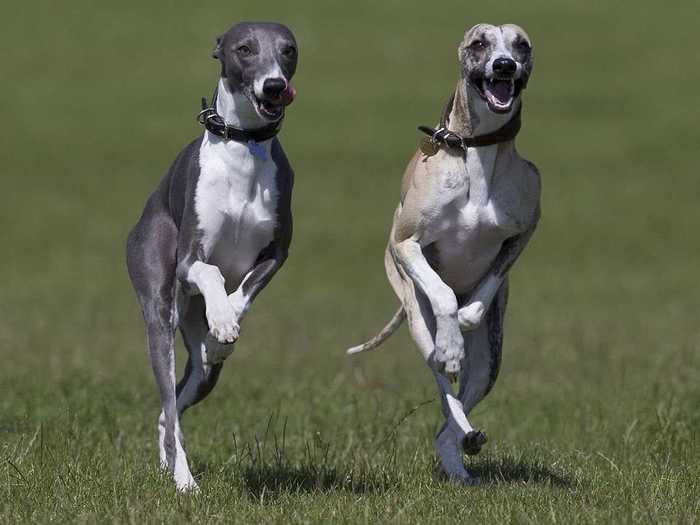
(601, 340)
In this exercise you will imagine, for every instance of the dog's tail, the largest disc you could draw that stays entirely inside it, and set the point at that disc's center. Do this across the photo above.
(378, 339)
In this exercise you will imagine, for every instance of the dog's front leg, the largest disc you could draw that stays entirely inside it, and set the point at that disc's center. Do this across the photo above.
(472, 313)
(449, 345)
(256, 279)
(200, 277)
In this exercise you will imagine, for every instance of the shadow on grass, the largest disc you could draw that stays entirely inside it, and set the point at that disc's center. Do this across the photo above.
(274, 478)
(511, 470)
(283, 478)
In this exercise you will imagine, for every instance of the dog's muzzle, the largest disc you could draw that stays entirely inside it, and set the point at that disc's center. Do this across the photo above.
(501, 87)
(277, 94)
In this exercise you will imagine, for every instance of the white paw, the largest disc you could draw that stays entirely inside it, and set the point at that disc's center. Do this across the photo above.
(449, 346)
(470, 316)
(186, 483)
(223, 322)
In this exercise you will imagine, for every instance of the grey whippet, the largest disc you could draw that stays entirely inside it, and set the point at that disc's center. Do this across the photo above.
(469, 205)
(217, 227)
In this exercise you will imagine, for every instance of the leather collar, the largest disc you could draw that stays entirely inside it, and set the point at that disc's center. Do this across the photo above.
(448, 138)
(215, 124)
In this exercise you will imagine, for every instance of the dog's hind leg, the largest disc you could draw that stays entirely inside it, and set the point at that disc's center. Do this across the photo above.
(201, 375)
(151, 262)
(482, 363)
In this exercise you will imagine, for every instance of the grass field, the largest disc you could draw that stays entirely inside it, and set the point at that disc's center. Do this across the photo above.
(595, 416)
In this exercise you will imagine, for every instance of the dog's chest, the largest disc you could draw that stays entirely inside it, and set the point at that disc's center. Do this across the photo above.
(482, 211)
(236, 205)
(475, 223)
(473, 234)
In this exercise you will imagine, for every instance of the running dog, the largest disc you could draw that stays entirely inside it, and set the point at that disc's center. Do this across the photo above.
(469, 205)
(217, 227)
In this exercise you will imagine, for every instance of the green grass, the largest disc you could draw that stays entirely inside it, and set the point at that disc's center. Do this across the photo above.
(595, 415)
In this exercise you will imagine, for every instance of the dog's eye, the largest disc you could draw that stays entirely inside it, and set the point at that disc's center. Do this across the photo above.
(289, 51)
(244, 51)
(477, 44)
(523, 46)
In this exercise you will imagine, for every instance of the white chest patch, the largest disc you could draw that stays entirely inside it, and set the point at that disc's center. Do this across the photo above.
(235, 202)
(474, 227)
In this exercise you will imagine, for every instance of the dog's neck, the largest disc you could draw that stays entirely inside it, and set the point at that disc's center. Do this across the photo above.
(236, 109)
(471, 117)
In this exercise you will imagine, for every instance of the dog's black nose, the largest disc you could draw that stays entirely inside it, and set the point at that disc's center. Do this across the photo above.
(504, 66)
(273, 87)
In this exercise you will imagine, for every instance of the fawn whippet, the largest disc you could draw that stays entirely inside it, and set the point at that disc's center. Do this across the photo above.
(469, 205)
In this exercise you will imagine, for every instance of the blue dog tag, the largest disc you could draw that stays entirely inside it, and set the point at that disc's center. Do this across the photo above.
(256, 150)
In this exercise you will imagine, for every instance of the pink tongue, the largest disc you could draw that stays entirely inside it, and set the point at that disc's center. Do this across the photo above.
(500, 89)
(288, 96)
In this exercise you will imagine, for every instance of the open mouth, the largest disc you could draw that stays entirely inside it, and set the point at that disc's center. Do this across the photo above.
(499, 93)
(273, 108)
(269, 109)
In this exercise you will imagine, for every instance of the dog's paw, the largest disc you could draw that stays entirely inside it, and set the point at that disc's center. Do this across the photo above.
(186, 484)
(473, 442)
(449, 349)
(216, 352)
(468, 479)
(223, 322)
(470, 316)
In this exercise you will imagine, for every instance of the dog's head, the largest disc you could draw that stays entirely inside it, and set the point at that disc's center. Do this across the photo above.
(496, 63)
(258, 60)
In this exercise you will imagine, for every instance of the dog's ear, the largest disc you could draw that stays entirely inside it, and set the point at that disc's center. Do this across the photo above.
(461, 50)
(462, 47)
(218, 50)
